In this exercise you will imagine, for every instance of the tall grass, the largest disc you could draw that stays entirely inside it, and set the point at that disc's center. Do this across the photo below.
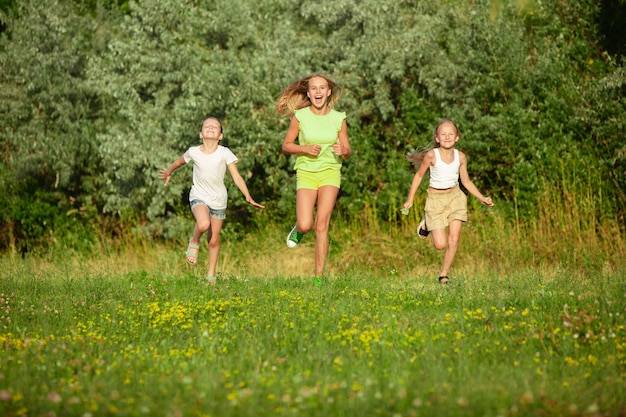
(533, 324)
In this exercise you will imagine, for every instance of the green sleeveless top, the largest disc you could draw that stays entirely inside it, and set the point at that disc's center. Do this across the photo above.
(319, 130)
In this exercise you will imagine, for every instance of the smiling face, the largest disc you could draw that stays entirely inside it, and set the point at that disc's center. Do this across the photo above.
(447, 135)
(211, 129)
(318, 92)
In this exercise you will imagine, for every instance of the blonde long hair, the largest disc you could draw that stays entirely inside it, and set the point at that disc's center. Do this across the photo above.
(294, 97)
(416, 156)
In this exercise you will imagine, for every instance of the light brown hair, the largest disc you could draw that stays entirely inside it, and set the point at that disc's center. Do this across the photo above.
(294, 97)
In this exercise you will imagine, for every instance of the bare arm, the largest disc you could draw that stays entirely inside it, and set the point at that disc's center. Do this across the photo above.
(241, 184)
(469, 185)
(166, 173)
(290, 145)
(427, 162)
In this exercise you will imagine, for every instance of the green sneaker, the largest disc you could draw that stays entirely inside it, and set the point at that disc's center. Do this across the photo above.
(294, 237)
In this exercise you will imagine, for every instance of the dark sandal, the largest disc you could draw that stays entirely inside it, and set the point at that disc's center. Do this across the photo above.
(444, 279)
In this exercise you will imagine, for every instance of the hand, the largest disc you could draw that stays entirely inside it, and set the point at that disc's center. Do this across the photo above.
(254, 203)
(165, 175)
(338, 149)
(487, 201)
(408, 204)
(313, 150)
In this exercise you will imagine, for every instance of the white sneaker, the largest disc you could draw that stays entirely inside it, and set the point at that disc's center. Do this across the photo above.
(421, 229)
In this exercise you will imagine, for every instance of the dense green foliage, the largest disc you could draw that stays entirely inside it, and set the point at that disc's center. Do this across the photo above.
(95, 97)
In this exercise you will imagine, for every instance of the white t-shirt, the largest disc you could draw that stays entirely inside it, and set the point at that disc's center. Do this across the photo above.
(442, 175)
(208, 175)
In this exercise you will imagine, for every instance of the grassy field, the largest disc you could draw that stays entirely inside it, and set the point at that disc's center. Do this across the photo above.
(531, 326)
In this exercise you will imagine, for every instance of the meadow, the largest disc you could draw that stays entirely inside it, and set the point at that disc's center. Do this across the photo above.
(532, 325)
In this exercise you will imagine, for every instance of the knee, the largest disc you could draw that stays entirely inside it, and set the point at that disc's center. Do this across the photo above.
(321, 228)
(203, 226)
(304, 227)
(214, 241)
(440, 244)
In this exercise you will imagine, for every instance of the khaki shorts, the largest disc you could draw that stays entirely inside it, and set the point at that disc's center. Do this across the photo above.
(443, 206)
(315, 180)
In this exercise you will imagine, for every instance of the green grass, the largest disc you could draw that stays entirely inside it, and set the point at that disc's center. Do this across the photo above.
(135, 333)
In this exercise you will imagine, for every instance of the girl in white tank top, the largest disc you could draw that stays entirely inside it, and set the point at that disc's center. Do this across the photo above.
(442, 175)
(446, 206)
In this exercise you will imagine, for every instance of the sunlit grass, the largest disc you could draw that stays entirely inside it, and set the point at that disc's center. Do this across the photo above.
(136, 334)
(532, 325)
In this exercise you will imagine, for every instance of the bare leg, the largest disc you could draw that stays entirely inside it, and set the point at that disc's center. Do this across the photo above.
(327, 196)
(213, 238)
(440, 239)
(454, 237)
(305, 204)
(202, 216)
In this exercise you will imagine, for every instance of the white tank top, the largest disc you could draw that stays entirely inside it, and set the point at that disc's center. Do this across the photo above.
(444, 175)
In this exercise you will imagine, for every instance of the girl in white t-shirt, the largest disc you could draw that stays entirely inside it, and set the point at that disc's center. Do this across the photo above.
(208, 196)
(446, 205)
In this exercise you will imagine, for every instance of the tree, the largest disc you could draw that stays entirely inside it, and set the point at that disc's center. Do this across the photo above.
(114, 93)
(49, 114)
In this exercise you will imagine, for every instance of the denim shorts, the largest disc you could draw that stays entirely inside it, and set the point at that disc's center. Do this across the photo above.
(219, 214)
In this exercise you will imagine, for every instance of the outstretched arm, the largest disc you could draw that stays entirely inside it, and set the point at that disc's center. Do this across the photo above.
(166, 173)
(241, 184)
(469, 185)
